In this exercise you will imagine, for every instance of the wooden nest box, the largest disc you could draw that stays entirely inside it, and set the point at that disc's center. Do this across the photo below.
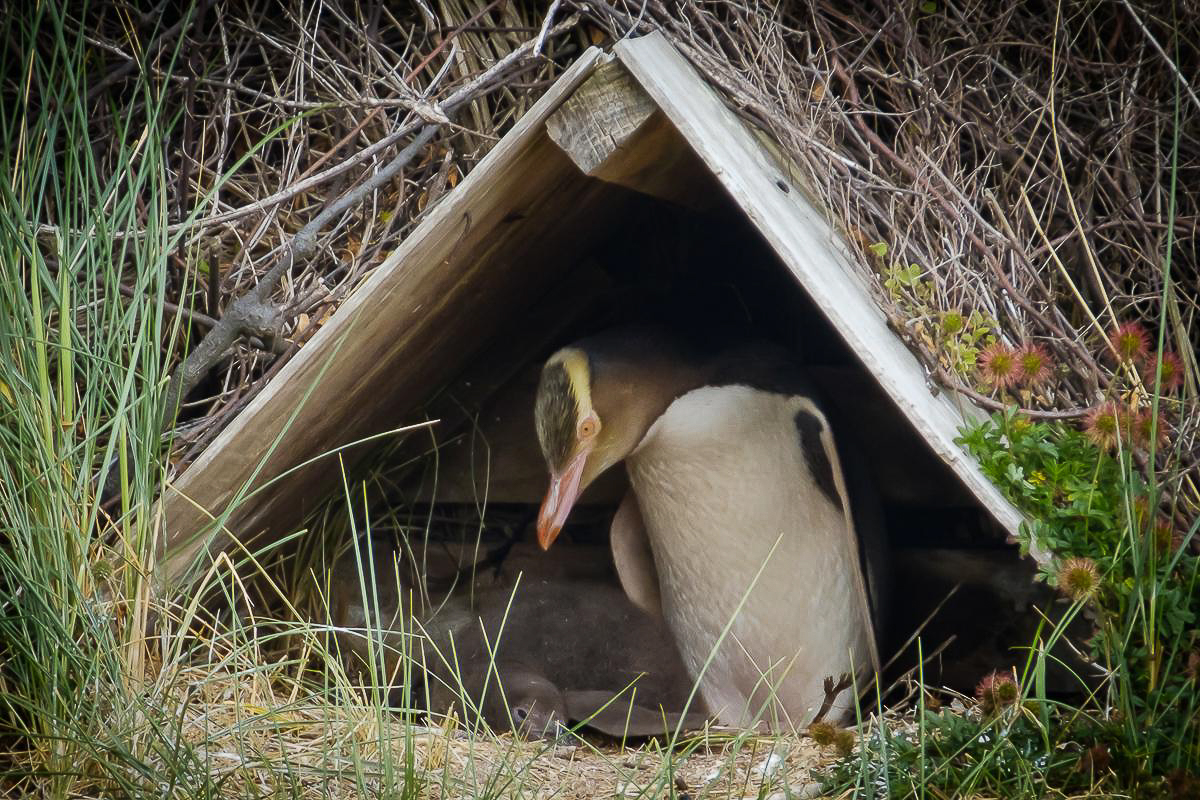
(512, 264)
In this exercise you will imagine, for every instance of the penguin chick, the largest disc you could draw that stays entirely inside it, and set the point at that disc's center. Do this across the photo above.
(525, 702)
(585, 638)
(370, 609)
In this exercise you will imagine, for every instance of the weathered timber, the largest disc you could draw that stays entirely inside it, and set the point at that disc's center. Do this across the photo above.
(613, 131)
(466, 269)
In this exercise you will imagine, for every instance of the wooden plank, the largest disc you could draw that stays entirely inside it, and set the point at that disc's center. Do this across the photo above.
(807, 243)
(600, 117)
(490, 281)
(614, 131)
(385, 349)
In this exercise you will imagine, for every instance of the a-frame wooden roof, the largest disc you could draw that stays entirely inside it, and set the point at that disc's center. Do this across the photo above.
(488, 248)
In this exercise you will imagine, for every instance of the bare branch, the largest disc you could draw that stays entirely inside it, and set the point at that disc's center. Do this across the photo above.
(252, 313)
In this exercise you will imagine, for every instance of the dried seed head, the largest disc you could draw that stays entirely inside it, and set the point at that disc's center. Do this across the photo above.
(1103, 425)
(822, 733)
(1141, 507)
(1033, 366)
(102, 569)
(1130, 341)
(998, 365)
(1095, 759)
(997, 690)
(1145, 427)
(1192, 669)
(1078, 579)
(1162, 534)
(843, 742)
(1172, 372)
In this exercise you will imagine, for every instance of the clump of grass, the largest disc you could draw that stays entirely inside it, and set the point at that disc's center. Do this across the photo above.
(79, 372)
(108, 687)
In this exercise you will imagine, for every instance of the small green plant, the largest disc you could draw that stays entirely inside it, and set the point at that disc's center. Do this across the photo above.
(1138, 579)
(969, 753)
(1111, 539)
(956, 337)
(1115, 551)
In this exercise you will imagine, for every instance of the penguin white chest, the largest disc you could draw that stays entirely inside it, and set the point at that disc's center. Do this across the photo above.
(756, 565)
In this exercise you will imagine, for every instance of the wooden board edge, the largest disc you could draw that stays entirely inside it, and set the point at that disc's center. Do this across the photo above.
(331, 336)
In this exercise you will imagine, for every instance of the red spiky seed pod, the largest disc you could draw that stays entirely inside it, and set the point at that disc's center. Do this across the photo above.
(997, 690)
(1034, 366)
(998, 365)
(1130, 342)
(1172, 372)
(1103, 425)
(1144, 427)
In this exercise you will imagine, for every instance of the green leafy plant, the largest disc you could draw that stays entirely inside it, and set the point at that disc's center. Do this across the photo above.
(1093, 518)
(1085, 502)
(955, 752)
(1111, 545)
(962, 338)
(1108, 536)
(957, 337)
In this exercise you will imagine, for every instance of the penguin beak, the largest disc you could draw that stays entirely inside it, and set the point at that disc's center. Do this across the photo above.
(560, 497)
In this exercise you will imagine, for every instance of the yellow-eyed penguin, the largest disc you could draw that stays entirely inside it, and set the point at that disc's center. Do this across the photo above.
(738, 516)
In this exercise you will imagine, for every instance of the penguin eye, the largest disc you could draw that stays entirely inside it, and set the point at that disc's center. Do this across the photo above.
(589, 426)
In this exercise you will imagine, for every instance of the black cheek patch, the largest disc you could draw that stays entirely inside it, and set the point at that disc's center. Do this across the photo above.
(810, 428)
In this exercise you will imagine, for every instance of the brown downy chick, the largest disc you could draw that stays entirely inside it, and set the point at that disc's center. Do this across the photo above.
(583, 637)
(529, 704)
(510, 696)
(370, 605)
(563, 648)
